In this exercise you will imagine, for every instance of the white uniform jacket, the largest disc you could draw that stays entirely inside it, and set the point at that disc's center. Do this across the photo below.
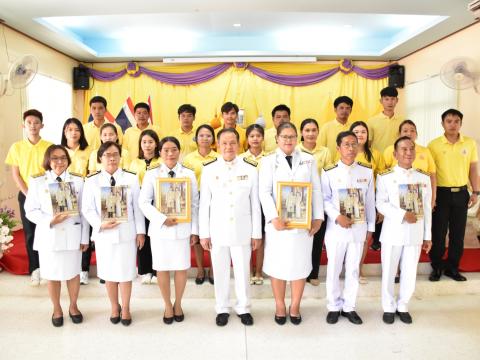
(395, 230)
(230, 212)
(126, 231)
(156, 229)
(275, 169)
(342, 176)
(69, 234)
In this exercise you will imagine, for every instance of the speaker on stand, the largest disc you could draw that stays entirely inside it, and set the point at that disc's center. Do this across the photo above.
(81, 78)
(396, 76)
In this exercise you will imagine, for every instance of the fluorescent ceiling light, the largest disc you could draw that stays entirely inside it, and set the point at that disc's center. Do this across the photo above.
(225, 59)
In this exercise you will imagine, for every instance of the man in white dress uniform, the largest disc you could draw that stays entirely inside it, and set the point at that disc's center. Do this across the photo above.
(346, 234)
(230, 223)
(404, 231)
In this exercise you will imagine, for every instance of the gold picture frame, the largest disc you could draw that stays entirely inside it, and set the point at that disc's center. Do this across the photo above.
(172, 198)
(64, 198)
(294, 203)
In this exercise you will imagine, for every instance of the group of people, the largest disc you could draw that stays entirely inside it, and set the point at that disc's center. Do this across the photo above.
(361, 175)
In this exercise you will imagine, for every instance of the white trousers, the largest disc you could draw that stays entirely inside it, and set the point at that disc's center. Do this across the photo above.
(408, 257)
(240, 258)
(339, 253)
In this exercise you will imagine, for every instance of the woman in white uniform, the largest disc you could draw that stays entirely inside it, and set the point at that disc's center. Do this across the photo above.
(115, 242)
(288, 251)
(59, 238)
(169, 239)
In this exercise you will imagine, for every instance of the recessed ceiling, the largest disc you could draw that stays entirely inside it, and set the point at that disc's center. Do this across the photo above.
(142, 30)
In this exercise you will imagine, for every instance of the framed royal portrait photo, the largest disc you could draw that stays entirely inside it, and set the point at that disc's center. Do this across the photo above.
(64, 198)
(172, 198)
(114, 203)
(352, 204)
(294, 204)
(411, 198)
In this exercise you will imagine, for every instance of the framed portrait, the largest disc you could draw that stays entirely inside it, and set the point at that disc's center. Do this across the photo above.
(64, 198)
(172, 198)
(411, 199)
(114, 203)
(352, 204)
(294, 204)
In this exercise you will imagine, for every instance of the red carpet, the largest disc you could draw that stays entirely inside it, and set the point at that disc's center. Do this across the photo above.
(15, 261)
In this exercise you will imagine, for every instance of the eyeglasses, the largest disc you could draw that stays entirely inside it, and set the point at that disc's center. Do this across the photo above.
(350, 145)
(287, 137)
(111, 155)
(60, 158)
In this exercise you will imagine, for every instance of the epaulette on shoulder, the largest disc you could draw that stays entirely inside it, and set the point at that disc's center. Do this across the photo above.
(76, 174)
(423, 172)
(251, 162)
(306, 151)
(188, 167)
(93, 174)
(209, 162)
(330, 167)
(368, 166)
(386, 171)
(269, 153)
(38, 175)
(130, 172)
(153, 167)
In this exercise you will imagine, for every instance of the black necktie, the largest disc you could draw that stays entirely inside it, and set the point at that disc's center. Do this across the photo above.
(147, 162)
(112, 181)
(171, 173)
(289, 160)
(59, 179)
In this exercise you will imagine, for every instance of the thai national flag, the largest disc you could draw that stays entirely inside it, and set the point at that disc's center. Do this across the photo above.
(125, 117)
(108, 116)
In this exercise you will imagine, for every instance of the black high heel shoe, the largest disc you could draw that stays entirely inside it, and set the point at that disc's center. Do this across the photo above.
(295, 320)
(116, 319)
(178, 318)
(125, 322)
(280, 320)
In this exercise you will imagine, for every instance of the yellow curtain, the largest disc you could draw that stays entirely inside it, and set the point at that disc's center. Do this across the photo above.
(255, 95)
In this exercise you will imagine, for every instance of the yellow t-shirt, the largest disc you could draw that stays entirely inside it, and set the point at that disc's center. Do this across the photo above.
(139, 166)
(377, 163)
(242, 135)
(195, 161)
(79, 159)
(269, 142)
(132, 136)
(320, 153)
(187, 141)
(423, 159)
(92, 134)
(453, 160)
(383, 131)
(328, 136)
(27, 157)
(258, 159)
(93, 165)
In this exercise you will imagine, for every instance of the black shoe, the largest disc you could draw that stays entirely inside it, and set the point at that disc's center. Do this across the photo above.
(353, 317)
(116, 319)
(222, 319)
(246, 319)
(397, 279)
(280, 320)
(435, 275)
(295, 320)
(76, 319)
(200, 280)
(376, 246)
(455, 275)
(388, 317)
(404, 317)
(168, 320)
(210, 280)
(332, 317)
(126, 322)
(102, 281)
(57, 322)
(178, 318)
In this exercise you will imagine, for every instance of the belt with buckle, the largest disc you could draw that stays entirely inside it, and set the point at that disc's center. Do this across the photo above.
(453, 189)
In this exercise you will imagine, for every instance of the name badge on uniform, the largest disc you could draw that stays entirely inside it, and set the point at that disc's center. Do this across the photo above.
(362, 180)
(242, 177)
(305, 162)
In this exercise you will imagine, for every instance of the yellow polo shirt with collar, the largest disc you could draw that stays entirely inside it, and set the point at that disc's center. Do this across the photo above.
(187, 142)
(453, 160)
(79, 159)
(242, 135)
(132, 136)
(27, 157)
(92, 134)
(321, 154)
(383, 131)
(377, 162)
(423, 159)
(269, 141)
(249, 156)
(328, 136)
(195, 161)
(139, 166)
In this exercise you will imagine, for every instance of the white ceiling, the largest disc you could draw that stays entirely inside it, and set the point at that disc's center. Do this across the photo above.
(95, 31)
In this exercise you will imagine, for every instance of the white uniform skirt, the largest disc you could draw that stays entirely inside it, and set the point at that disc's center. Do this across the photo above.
(116, 262)
(170, 255)
(288, 253)
(60, 265)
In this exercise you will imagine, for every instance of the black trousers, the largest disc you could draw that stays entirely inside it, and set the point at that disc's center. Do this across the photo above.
(317, 249)
(450, 214)
(29, 231)
(87, 255)
(145, 255)
(376, 234)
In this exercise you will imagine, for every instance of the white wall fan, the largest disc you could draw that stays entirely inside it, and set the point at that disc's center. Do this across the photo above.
(20, 74)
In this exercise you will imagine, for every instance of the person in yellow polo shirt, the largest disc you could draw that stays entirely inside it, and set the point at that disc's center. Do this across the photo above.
(98, 107)
(73, 139)
(141, 112)
(25, 158)
(383, 127)
(205, 139)
(229, 116)
(280, 115)
(185, 134)
(328, 132)
(456, 159)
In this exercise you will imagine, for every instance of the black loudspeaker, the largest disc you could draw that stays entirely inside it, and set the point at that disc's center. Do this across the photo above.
(81, 78)
(396, 76)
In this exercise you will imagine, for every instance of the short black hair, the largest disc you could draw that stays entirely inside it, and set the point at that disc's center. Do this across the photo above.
(344, 134)
(48, 155)
(342, 99)
(405, 122)
(286, 125)
(166, 139)
(187, 108)
(104, 147)
(281, 107)
(228, 130)
(154, 136)
(453, 112)
(209, 128)
(82, 141)
(389, 91)
(400, 139)
(141, 105)
(98, 99)
(33, 112)
(229, 106)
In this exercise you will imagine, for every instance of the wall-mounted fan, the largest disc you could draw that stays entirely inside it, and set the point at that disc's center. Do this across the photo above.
(20, 74)
(460, 73)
